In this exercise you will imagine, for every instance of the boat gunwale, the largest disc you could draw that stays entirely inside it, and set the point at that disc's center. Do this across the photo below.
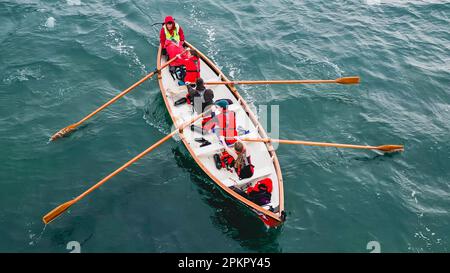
(278, 217)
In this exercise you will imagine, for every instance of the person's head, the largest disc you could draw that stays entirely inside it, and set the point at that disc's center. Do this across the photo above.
(169, 22)
(200, 83)
(238, 147)
(240, 150)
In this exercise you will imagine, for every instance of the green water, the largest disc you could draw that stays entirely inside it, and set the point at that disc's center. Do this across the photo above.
(55, 71)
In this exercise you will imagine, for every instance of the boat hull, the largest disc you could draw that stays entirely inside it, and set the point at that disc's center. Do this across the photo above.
(272, 216)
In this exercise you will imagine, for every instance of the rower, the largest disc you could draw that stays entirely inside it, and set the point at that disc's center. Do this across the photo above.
(223, 124)
(170, 31)
(191, 63)
(200, 97)
(171, 38)
(237, 159)
(176, 68)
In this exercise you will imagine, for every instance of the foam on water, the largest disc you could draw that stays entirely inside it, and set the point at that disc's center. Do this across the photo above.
(23, 74)
(114, 40)
(50, 23)
(74, 2)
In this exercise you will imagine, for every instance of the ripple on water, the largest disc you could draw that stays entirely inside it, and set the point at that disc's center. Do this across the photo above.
(115, 41)
(23, 74)
(50, 22)
(74, 2)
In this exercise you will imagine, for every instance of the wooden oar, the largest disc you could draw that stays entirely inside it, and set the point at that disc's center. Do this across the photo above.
(345, 80)
(72, 127)
(383, 148)
(63, 207)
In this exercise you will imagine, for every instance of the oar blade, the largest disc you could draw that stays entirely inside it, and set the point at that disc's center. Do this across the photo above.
(64, 131)
(348, 80)
(56, 212)
(391, 148)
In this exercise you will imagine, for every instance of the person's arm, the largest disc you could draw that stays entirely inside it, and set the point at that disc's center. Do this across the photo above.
(191, 91)
(162, 37)
(181, 33)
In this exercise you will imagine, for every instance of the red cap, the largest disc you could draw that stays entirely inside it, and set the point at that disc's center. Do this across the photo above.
(169, 19)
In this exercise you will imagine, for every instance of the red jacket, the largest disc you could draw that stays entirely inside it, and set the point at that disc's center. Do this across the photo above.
(266, 181)
(162, 33)
(192, 65)
(225, 122)
(173, 50)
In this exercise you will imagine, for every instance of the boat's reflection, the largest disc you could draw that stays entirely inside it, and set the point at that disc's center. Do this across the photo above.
(234, 219)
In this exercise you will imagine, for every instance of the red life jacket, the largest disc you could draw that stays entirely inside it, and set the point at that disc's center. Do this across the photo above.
(206, 123)
(266, 181)
(227, 162)
(192, 65)
(172, 50)
(226, 122)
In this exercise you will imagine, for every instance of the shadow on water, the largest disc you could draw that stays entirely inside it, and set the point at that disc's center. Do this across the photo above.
(233, 218)
(155, 113)
(377, 157)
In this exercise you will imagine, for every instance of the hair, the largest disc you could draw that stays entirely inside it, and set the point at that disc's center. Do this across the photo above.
(200, 83)
(239, 148)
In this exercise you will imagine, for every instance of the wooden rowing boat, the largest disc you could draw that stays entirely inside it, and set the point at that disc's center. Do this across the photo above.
(263, 155)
